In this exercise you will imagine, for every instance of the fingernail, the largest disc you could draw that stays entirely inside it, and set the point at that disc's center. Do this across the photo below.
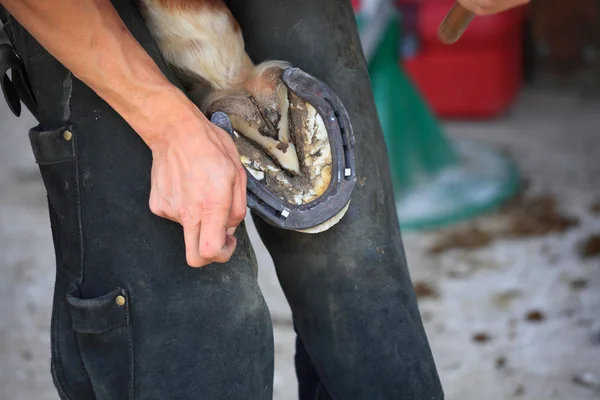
(231, 231)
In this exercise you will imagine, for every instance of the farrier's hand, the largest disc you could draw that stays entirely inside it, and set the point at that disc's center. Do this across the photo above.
(199, 182)
(488, 7)
(197, 178)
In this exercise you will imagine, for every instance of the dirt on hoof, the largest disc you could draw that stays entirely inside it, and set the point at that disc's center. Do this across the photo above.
(523, 217)
(425, 290)
(590, 247)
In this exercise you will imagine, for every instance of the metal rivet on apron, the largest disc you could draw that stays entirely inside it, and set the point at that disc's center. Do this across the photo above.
(67, 135)
(120, 300)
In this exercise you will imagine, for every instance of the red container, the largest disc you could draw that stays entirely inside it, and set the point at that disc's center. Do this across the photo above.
(477, 77)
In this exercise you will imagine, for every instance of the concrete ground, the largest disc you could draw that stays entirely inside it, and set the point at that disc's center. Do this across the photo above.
(511, 305)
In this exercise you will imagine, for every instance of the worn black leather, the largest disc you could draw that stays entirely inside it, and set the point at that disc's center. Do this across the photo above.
(184, 333)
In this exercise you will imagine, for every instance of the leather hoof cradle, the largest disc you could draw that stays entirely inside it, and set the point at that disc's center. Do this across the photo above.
(327, 209)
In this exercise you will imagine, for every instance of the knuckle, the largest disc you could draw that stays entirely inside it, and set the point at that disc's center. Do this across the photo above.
(242, 175)
(228, 168)
(194, 261)
(209, 251)
(215, 204)
(188, 215)
(155, 207)
(230, 172)
(238, 215)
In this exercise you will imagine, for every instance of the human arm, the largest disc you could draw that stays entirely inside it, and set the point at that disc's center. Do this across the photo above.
(197, 178)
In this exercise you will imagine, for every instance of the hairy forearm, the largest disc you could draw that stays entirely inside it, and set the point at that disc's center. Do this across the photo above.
(89, 38)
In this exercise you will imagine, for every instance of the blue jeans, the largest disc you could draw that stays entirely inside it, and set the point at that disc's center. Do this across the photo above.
(132, 321)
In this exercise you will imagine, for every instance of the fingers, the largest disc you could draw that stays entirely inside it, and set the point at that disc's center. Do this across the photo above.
(191, 234)
(215, 244)
(205, 228)
(208, 242)
(199, 182)
(238, 205)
